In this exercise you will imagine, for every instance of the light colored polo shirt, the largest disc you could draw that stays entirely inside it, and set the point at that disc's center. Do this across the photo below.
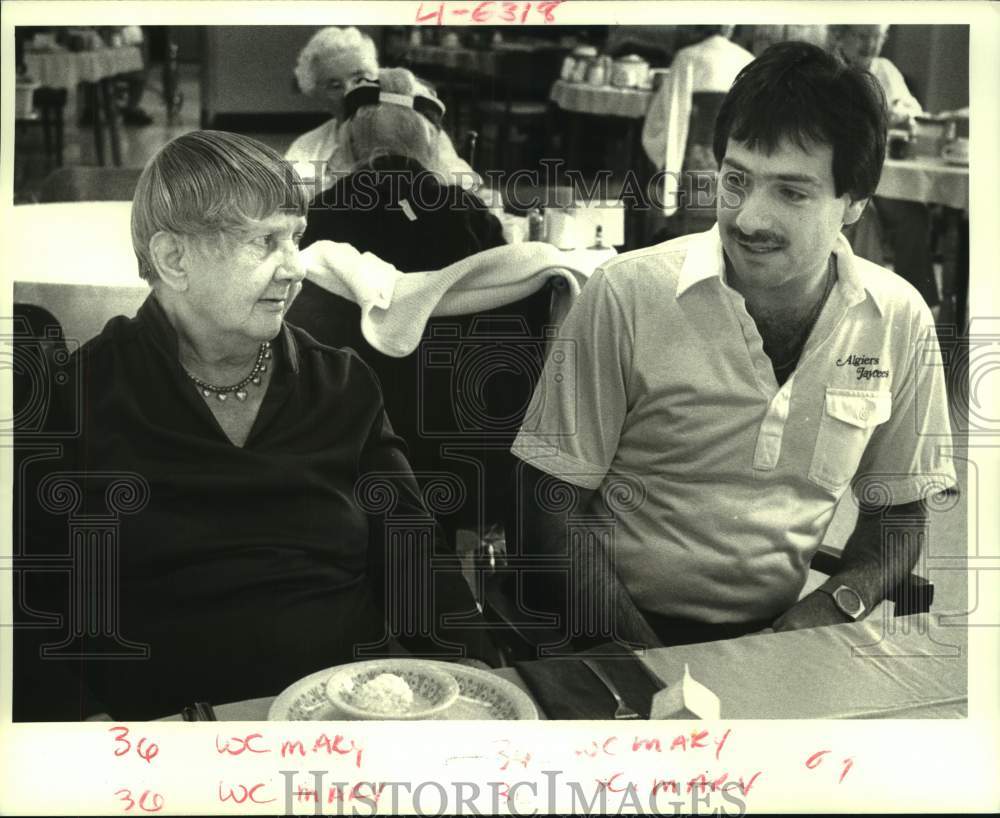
(722, 483)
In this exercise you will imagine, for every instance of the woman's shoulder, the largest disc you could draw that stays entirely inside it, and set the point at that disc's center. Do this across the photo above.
(118, 335)
(341, 364)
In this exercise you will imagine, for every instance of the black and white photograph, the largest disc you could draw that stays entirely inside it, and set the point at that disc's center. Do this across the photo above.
(499, 407)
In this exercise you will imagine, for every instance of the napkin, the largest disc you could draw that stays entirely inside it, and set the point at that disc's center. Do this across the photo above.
(566, 689)
(687, 699)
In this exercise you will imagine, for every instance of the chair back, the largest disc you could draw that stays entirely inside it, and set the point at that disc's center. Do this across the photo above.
(469, 148)
(458, 400)
(697, 213)
(705, 107)
(40, 354)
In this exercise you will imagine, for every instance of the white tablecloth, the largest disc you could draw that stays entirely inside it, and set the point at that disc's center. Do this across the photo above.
(65, 69)
(930, 180)
(605, 100)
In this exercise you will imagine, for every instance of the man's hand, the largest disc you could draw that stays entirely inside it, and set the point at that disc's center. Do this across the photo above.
(812, 611)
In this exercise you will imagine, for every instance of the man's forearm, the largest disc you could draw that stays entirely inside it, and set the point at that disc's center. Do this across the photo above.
(882, 551)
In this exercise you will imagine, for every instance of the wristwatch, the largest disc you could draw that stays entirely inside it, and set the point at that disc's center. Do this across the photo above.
(848, 600)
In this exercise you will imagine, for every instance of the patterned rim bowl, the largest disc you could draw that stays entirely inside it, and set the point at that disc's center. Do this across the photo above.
(372, 690)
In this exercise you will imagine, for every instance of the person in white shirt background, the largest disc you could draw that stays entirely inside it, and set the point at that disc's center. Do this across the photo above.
(331, 63)
(908, 224)
(710, 65)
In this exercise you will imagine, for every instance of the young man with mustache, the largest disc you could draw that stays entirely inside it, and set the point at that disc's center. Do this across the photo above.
(727, 388)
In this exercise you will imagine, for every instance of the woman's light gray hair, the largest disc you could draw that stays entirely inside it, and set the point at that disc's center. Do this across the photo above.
(207, 183)
(342, 51)
(392, 130)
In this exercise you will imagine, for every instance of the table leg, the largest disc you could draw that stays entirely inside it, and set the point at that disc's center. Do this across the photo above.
(97, 107)
(111, 111)
(572, 140)
(47, 137)
(170, 80)
(58, 114)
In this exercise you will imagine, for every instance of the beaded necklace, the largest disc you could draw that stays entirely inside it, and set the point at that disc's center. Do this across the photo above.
(237, 389)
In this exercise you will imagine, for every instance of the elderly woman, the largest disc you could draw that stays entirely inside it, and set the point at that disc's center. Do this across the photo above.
(255, 558)
(330, 64)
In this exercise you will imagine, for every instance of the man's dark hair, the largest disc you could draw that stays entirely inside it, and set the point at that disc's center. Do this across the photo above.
(797, 91)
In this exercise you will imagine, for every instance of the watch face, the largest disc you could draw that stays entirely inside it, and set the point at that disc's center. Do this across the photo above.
(849, 601)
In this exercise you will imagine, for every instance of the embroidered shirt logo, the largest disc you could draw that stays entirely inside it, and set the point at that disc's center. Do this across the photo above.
(864, 366)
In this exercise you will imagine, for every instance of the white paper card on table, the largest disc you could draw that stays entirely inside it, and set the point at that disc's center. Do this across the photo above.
(686, 699)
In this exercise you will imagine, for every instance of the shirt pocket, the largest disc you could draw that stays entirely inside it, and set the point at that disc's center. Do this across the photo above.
(849, 419)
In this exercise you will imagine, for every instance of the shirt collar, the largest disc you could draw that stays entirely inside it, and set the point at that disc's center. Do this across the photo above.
(154, 318)
(705, 260)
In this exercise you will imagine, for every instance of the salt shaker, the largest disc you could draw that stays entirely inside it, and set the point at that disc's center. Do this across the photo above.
(536, 226)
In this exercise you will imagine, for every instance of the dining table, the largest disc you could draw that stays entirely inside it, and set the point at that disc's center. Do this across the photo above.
(927, 179)
(601, 100)
(96, 68)
(582, 101)
(883, 667)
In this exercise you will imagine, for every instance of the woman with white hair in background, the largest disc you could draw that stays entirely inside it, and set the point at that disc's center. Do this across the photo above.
(331, 63)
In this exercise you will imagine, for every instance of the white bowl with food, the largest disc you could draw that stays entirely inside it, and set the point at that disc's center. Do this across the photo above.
(392, 689)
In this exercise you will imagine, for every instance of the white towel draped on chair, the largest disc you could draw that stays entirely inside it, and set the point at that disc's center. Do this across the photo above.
(395, 306)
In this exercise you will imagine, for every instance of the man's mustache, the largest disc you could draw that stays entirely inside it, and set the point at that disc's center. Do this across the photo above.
(760, 237)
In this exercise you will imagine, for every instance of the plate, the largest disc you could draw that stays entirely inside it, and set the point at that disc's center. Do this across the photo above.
(482, 696)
